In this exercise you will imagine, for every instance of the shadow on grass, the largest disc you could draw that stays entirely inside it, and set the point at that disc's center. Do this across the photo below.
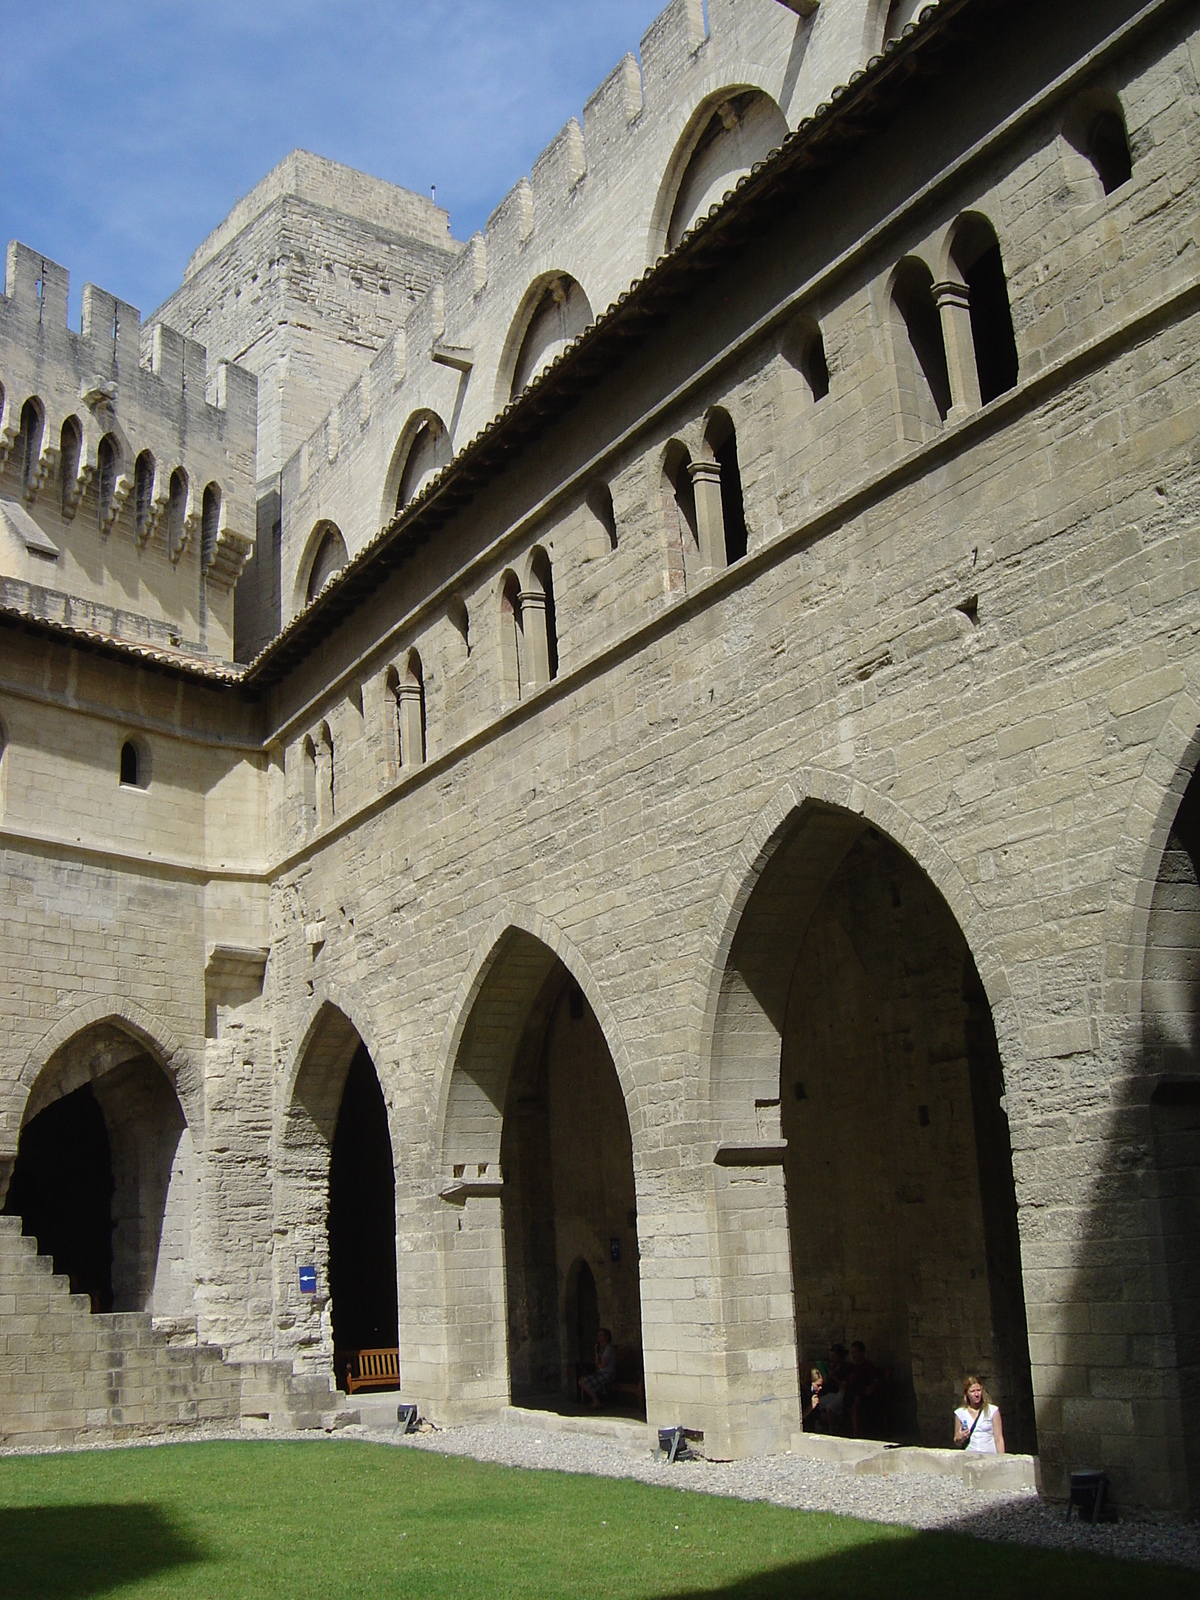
(70, 1552)
(944, 1566)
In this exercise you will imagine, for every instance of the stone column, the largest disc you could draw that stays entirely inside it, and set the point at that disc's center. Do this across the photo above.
(710, 520)
(535, 667)
(412, 734)
(954, 308)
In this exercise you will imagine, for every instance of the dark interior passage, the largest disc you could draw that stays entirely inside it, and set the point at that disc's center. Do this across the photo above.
(1171, 1063)
(62, 1189)
(570, 1219)
(901, 1201)
(362, 1220)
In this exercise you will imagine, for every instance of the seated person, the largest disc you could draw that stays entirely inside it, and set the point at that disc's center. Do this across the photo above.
(816, 1387)
(597, 1384)
(862, 1389)
(828, 1407)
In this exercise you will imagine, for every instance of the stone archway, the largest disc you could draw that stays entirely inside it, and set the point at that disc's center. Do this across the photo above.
(537, 1184)
(335, 1209)
(864, 1174)
(106, 1175)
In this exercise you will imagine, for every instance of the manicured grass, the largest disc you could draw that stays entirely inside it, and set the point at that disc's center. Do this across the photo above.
(340, 1518)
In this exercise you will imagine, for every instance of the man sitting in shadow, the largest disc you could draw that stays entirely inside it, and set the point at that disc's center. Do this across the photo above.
(596, 1385)
(862, 1392)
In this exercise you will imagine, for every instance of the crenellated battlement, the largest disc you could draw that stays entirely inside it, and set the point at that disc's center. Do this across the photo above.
(126, 467)
(657, 144)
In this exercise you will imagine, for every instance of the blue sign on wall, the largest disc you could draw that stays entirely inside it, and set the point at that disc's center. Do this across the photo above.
(308, 1280)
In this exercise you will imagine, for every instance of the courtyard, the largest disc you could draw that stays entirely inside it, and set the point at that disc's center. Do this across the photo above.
(366, 1517)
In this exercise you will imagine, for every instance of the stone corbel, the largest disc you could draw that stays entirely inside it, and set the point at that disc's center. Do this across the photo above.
(191, 521)
(756, 1153)
(458, 356)
(120, 494)
(10, 428)
(74, 491)
(458, 1192)
(485, 1182)
(227, 557)
(802, 8)
(47, 463)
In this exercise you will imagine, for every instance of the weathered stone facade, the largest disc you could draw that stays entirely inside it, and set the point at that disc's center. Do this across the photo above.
(773, 726)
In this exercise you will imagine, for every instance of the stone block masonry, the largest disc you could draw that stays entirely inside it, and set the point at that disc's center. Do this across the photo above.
(737, 817)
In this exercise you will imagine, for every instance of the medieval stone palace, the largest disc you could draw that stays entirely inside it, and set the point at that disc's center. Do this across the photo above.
(638, 769)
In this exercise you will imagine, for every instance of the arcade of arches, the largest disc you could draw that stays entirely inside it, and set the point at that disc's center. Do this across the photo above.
(853, 1039)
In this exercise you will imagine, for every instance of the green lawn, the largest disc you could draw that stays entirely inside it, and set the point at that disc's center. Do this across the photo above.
(328, 1519)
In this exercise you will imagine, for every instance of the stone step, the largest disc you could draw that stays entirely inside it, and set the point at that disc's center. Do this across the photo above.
(69, 1376)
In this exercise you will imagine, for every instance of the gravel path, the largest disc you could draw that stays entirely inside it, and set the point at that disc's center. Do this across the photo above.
(916, 1500)
(912, 1499)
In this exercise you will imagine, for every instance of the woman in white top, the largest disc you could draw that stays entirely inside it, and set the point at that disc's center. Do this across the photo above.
(977, 1422)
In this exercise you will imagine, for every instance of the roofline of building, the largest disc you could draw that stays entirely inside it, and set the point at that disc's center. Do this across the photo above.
(852, 113)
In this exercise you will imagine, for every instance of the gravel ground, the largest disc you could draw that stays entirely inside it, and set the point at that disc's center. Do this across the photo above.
(912, 1499)
(917, 1500)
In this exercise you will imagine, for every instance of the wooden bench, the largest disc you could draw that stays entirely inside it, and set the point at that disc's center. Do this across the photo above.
(376, 1369)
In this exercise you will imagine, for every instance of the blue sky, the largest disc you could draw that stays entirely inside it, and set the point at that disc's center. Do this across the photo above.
(132, 126)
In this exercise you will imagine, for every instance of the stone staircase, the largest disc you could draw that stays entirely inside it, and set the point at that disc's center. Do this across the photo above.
(69, 1377)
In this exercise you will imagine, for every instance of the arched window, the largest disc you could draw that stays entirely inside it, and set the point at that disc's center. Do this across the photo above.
(329, 556)
(143, 494)
(922, 373)
(32, 422)
(1095, 126)
(721, 439)
(131, 766)
(308, 783)
(559, 314)
(411, 699)
(391, 684)
(1108, 149)
(976, 254)
(425, 457)
(70, 447)
(510, 636)
(679, 510)
(804, 349)
(599, 503)
(326, 776)
(456, 610)
(539, 624)
(210, 520)
(108, 465)
(177, 496)
(723, 142)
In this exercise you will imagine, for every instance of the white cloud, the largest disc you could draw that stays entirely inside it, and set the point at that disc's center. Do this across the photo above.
(138, 123)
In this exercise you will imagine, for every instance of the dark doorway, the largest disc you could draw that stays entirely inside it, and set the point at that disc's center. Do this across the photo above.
(62, 1188)
(362, 1220)
(1171, 1064)
(898, 1172)
(570, 1220)
(587, 1312)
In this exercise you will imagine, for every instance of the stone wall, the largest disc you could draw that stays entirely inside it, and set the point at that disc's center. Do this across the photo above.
(971, 633)
(596, 208)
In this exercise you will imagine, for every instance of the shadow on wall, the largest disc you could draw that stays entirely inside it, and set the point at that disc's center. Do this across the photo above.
(1127, 1312)
(73, 1551)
